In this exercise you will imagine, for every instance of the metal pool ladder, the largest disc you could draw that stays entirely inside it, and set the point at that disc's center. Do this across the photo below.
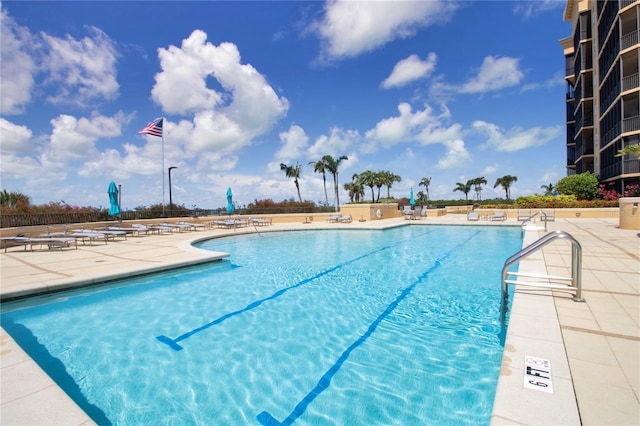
(572, 284)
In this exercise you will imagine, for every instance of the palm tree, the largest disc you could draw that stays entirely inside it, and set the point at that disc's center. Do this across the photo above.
(293, 172)
(629, 150)
(356, 187)
(389, 178)
(381, 178)
(477, 183)
(320, 166)
(463, 187)
(506, 181)
(12, 199)
(426, 181)
(333, 165)
(549, 189)
(368, 178)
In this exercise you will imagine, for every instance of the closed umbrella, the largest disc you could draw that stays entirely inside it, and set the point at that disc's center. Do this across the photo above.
(229, 201)
(114, 208)
(412, 200)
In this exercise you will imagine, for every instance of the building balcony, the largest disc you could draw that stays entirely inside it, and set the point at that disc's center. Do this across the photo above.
(629, 40)
(630, 82)
(631, 124)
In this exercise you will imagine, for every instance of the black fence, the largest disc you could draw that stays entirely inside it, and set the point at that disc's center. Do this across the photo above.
(35, 219)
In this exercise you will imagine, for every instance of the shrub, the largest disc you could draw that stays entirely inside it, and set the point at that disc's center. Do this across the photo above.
(584, 186)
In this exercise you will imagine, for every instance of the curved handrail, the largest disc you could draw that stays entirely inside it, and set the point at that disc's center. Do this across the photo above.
(576, 263)
(524, 222)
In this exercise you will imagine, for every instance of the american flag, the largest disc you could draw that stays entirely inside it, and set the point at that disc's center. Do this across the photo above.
(154, 128)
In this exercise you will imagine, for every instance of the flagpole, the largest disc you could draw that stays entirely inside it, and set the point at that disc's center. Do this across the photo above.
(163, 165)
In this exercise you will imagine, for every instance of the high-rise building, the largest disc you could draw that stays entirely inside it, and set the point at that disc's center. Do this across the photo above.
(603, 89)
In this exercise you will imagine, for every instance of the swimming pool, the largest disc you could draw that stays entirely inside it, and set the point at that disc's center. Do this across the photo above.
(317, 327)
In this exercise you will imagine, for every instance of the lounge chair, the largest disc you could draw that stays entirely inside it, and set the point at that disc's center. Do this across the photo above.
(160, 228)
(548, 216)
(423, 212)
(407, 211)
(524, 215)
(192, 226)
(333, 218)
(260, 221)
(180, 227)
(88, 235)
(417, 214)
(345, 219)
(473, 216)
(50, 242)
(500, 216)
(141, 228)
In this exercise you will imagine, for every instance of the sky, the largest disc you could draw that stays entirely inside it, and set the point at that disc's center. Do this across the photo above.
(445, 90)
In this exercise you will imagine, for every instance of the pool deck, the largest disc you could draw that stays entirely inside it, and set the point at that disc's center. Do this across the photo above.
(593, 347)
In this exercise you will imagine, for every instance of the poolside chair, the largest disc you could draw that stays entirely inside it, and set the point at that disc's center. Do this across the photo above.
(417, 214)
(473, 216)
(50, 242)
(345, 219)
(524, 215)
(423, 212)
(333, 218)
(407, 211)
(88, 235)
(140, 229)
(192, 226)
(548, 216)
(500, 216)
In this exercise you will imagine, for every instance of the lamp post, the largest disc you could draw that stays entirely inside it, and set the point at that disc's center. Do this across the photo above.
(170, 199)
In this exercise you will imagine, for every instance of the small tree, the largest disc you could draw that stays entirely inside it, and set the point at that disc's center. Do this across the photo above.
(584, 186)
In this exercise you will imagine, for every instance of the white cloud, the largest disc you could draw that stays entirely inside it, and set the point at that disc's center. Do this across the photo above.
(350, 28)
(245, 107)
(517, 138)
(81, 71)
(14, 138)
(425, 127)
(17, 67)
(73, 138)
(532, 9)
(410, 69)
(494, 74)
(337, 143)
(455, 156)
(293, 147)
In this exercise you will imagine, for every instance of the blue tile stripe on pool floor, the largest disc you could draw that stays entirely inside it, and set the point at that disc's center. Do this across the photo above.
(173, 343)
(267, 419)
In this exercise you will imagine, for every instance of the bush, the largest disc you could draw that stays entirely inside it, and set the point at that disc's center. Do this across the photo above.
(584, 186)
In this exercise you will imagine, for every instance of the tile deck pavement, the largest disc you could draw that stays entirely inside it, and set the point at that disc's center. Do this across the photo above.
(594, 346)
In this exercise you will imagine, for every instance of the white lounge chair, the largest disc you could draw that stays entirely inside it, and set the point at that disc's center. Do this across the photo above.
(192, 226)
(500, 216)
(345, 219)
(524, 215)
(333, 218)
(548, 216)
(473, 216)
(50, 242)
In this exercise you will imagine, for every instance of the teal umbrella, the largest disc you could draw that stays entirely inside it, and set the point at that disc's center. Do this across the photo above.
(114, 208)
(412, 200)
(229, 200)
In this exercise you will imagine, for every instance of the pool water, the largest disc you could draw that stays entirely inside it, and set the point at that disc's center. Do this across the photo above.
(328, 327)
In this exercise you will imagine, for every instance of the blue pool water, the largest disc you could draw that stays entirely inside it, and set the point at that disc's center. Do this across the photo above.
(400, 326)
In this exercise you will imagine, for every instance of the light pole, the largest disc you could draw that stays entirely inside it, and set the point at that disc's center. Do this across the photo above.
(170, 199)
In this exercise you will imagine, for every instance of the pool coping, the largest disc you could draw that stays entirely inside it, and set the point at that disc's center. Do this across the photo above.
(534, 330)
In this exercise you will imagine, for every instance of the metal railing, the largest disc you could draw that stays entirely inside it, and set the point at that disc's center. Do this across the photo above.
(575, 279)
(530, 218)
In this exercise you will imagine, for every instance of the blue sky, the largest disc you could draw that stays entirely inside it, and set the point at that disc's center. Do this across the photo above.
(447, 90)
